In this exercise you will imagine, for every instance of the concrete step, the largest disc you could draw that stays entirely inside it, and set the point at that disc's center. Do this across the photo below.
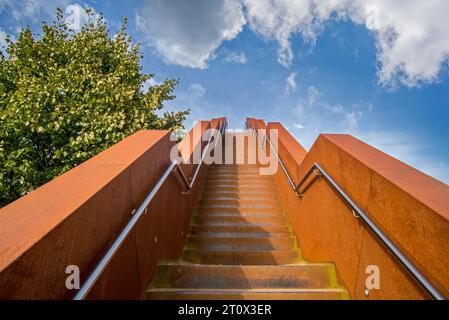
(242, 244)
(240, 221)
(270, 257)
(255, 294)
(188, 276)
(246, 229)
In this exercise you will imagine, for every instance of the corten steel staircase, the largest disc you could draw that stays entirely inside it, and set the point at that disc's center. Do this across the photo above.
(241, 246)
(347, 203)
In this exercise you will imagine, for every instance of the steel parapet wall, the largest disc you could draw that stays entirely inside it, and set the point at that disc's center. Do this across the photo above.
(409, 206)
(73, 219)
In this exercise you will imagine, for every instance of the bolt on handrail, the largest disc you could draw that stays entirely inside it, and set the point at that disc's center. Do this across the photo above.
(101, 266)
(317, 170)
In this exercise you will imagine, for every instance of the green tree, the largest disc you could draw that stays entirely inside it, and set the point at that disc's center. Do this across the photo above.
(65, 96)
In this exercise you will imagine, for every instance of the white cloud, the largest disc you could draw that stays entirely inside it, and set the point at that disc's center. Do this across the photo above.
(196, 90)
(299, 110)
(37, 10)
(411, 36)
(31, 9)
(279, 20)
(236, 57)
(188, 33)
(298, 126)
(352, 119)
(291, 82)
(314, 99)
(316, 115)
(333, 108)
(312, 95)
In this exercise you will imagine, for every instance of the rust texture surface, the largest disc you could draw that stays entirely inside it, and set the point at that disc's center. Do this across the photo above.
(73, 219)
(409, 206)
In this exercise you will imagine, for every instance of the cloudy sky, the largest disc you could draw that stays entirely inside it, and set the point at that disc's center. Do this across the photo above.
(377, 69)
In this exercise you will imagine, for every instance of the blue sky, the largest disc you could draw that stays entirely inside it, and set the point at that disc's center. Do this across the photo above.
(374, 69)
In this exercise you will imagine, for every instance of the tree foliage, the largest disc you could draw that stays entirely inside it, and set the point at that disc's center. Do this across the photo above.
(65, 96)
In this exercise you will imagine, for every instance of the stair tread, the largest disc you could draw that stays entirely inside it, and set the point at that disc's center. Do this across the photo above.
(240, 234)
(287, 236)
(299, 265)
(238, 244)
(249, 252)
(241, 257)
(243, 295)
(239, 195)
(239, 201)
(257, 229)
(237, 206)
(264, 290)
(255, 220)
(241, 224)
(239, 214)
(241, 188)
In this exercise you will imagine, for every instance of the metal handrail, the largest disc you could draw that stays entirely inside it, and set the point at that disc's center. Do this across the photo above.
(289, 178)
(359, 213)
(190, 184)
(143, 209)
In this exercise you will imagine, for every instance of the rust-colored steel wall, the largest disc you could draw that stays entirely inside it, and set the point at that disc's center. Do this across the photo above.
(73, 219)
(409, 206)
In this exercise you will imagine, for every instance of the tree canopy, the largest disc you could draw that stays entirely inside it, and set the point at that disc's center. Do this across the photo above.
(65, 96)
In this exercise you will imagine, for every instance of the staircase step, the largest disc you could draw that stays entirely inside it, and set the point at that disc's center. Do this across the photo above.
(243, 170)
(256, 203)
(239, 210)
(239, 177)
(236, 166)
(234, 195)
(269, 257)
(238, 183)
(188, 276)
(242, 220)
(242, 244)
(239, 234)
(265, 188)
(249, 228)
(239, 214)
(257, 294)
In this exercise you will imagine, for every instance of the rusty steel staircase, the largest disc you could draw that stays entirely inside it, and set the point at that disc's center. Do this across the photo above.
(162, 221)
(241, 246)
